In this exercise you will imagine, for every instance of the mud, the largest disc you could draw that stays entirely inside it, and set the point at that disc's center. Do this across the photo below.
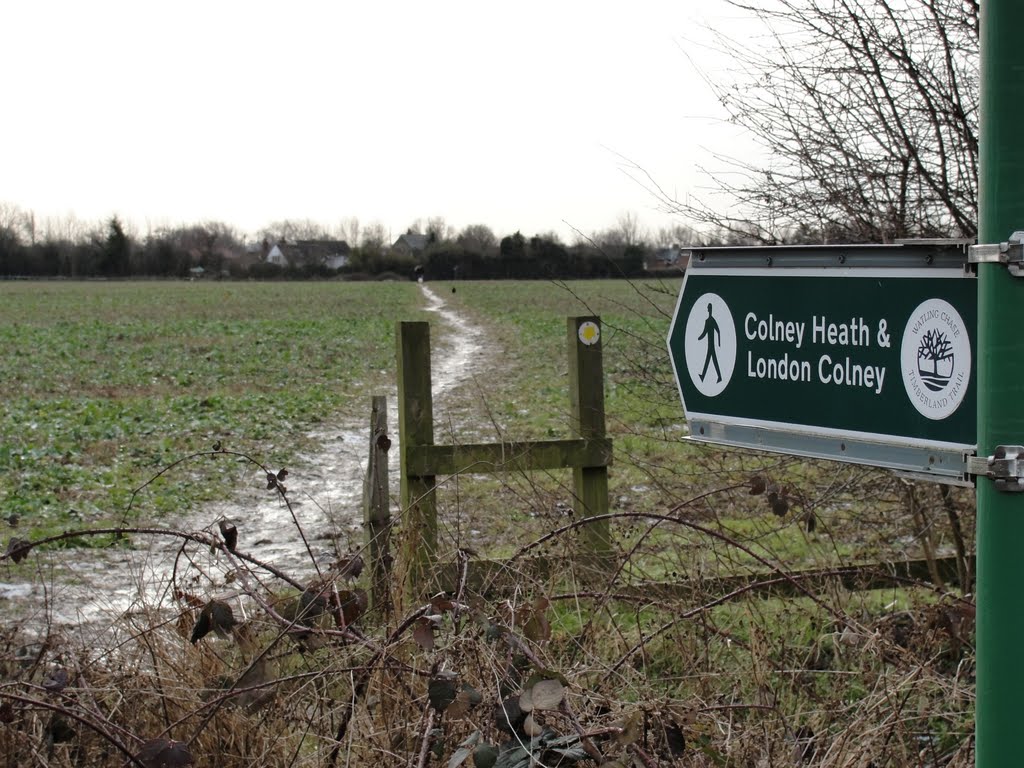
(325, 487)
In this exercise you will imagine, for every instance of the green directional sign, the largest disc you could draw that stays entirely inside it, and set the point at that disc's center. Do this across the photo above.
(863, 355)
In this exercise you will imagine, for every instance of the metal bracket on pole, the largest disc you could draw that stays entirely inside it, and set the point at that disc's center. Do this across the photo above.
(1010, 253)
(1005, 467)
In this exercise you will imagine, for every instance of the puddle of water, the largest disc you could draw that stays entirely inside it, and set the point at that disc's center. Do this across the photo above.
(14, 591)
(325, 490)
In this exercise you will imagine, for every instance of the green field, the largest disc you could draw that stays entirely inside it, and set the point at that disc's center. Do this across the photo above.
(105, 384)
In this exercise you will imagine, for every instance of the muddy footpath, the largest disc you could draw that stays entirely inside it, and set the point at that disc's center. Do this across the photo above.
(96, 587)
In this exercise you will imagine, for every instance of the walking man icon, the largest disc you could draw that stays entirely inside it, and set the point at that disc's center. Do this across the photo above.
(707, 339)
(714, 337)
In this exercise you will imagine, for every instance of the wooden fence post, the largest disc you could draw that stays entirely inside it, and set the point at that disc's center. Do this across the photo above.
(586, 395)
(416, 428)
(588, 453)
(376, 506)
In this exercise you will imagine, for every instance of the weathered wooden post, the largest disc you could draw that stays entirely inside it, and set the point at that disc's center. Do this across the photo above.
(376, 505)
(588, 453)
(416, 428)
(586, 396)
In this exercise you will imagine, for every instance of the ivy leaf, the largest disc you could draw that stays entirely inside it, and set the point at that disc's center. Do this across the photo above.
(547, 694)
(811, 522)
(485, 756)
(441, 693)
(508, 715)
(18, 549)
(349, 566)
(531, 727)
(217, 617)
(353, 604)
(230, 534)
(312, 604)
(468, 698)
(517, 757)
(465, 750)
(441, 604)
(675, 739)
(56, 681)
(164, 753)
(58, 731)
(780, 506)
(423, 634)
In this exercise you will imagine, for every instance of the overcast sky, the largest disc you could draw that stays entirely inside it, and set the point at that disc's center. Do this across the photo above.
(506, 114)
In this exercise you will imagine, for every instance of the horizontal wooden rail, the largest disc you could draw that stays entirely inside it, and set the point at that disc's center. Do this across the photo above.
(485, 458)
(496, 576)
(588, 453)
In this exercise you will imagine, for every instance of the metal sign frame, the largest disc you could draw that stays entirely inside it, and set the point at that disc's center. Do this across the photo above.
(936, 460)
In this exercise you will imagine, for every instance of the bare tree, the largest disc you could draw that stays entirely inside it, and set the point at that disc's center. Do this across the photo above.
(374, 236)
(625, 233)
(935, 348)
(12, 220)
(438, 229)
(478, 238)
(68, 229)
(867, 111)
(293, 230)
(677, 234)
(349, 230)
(629, 227)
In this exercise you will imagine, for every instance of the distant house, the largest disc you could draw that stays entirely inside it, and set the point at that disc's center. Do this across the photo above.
(672, 259)
(330, 254)
(276, 256)
(410, 244)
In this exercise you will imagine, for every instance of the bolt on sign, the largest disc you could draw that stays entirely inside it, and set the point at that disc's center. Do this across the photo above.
(865, 354)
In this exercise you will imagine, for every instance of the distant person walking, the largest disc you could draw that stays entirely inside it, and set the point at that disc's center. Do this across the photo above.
(714, 337)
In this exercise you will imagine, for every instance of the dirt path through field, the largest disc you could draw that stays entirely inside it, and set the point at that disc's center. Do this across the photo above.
(325, 488)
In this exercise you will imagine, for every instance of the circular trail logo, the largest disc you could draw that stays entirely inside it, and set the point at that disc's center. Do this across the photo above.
(935, 358)
(710, 344)
(589, 333)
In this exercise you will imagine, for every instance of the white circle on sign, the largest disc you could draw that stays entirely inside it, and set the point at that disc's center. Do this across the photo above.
(710, 344)
(589, 333)
(935, 359)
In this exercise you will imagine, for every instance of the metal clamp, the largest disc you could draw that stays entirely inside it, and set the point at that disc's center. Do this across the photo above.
(1010, 253)
(1005, 467)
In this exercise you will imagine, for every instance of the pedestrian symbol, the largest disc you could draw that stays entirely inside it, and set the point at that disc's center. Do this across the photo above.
(710, 344)
(714, 337)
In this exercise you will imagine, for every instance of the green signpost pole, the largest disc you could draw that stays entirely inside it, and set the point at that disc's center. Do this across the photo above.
(1000, 639)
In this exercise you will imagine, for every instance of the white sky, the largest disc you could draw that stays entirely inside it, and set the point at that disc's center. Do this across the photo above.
(506, 114)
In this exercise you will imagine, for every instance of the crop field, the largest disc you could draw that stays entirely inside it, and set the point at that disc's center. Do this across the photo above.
(676, 652)
(105, 383)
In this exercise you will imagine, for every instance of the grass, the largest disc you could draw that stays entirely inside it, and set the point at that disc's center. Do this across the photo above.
(105, 383)
(108, 382)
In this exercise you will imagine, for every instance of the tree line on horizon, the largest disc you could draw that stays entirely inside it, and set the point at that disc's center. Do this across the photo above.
(215, 249)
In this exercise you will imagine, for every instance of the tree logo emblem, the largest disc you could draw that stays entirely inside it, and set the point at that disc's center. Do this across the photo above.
(935, 360)
(935, 357)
